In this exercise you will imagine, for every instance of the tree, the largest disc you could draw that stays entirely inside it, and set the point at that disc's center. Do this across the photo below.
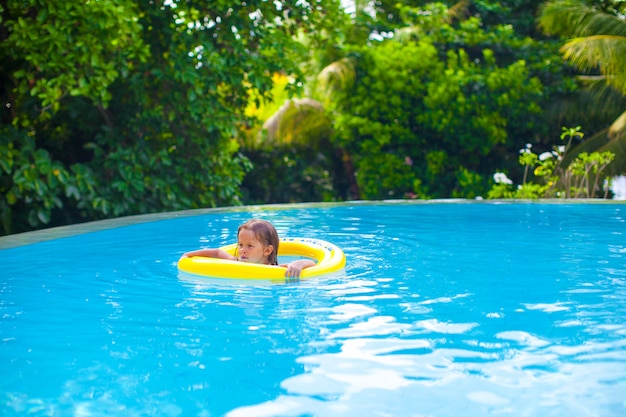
(291, 149)
(596, 46)
(120, 107)
(432, 108)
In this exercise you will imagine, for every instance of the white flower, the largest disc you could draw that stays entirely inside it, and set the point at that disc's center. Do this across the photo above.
(545, 156)
(561, 149)
(501, 178)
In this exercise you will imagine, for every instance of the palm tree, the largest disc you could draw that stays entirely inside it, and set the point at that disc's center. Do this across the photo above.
(305, 121)
(597, 42)
(300, 121)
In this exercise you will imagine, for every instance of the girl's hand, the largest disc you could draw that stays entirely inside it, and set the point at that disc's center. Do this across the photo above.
(294, 269)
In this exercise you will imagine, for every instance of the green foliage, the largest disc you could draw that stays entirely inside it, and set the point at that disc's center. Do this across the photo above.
(488, 86)
(289, 175)
(34, 185)
(386, 175)
(377, 118)
(132, 107)
(519, 14)
(472, 105)
(595, 33)
(582, 178)
(289, 150)
(119, 107)
(451, 116)
(470, 184)
(71, 48)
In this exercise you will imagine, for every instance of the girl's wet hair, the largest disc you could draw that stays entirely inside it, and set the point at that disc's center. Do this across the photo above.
(266, 234)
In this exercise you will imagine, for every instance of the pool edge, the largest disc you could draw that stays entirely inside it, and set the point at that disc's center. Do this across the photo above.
(42, 235)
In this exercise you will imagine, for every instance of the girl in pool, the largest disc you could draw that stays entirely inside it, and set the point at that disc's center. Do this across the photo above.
(257, 242)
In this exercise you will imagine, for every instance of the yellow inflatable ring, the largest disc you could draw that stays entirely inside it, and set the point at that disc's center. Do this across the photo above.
(329, 258)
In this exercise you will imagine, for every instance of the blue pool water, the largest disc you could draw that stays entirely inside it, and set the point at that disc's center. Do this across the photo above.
(444, 309)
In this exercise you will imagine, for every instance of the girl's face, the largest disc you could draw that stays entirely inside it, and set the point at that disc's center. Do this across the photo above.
(249, 249)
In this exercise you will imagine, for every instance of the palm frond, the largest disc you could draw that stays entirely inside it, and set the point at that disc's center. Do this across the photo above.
(601, 51)
(575, 109)
(458, 11)
(338, 76)
(599, 42)
(572, 18)
(617, 130)
(298, 122)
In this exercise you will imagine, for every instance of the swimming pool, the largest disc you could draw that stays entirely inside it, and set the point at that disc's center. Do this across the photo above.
(444, 308)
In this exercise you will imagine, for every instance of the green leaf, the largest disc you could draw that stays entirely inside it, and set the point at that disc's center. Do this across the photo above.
(72, 192)
(11, 197)
(43, 216)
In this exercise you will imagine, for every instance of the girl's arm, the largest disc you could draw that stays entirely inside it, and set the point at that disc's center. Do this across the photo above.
(295, 268)
(210, 253)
